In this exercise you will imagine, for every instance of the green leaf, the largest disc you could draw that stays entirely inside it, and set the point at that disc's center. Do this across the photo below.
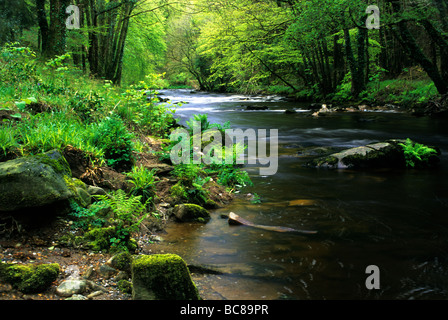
(30, 100)
(21, 105)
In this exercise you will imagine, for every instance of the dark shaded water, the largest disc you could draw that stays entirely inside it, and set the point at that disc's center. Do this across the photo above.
(397, 220)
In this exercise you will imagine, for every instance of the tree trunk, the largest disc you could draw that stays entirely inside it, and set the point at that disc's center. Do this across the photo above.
(356, 66)
(43, 25)
(57, 34)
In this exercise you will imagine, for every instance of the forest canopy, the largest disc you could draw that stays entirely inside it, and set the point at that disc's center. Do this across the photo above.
(306, 48)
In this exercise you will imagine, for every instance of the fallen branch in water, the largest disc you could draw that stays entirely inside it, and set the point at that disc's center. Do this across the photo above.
(235, 219)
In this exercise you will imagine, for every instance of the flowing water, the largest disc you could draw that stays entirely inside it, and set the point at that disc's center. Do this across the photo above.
(394, 219)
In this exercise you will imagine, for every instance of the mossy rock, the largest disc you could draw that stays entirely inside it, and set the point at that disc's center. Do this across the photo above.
(38, 181)
(162, 277)
(34, 181)
(191, 213)
(125, 286)
(29, 278)
(121, 261)
(387, 154)
(101, 239)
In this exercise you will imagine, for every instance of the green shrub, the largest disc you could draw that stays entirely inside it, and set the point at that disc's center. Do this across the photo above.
(113, 137)
(192, 179)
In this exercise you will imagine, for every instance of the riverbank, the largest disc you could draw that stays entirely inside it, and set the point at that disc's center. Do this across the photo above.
(111, 140)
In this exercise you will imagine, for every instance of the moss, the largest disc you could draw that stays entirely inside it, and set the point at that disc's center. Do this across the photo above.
(122, 261)
(29, 278)
(79, 190)
(325, 162)
(99, 238)
(34, 181)
(125, 286)
(102, 239)
(55, 160)
(162, 277)
(178, 191)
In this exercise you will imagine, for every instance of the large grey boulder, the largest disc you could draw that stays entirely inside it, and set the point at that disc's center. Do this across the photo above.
(36, 181)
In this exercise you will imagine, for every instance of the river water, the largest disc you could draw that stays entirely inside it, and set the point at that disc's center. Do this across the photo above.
(394, 219)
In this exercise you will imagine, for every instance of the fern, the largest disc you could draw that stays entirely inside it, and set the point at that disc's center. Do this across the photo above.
(416, 154)
(143, 183)
(129, 211)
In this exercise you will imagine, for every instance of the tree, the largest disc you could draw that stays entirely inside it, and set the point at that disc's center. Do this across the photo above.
(407, 20)
(53, 35)
(14, 19)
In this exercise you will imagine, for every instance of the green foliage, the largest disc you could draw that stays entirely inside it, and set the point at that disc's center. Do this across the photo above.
(142, 110)
(233, 177)
(87, 105)
(18, 63)
(202, 119)
(45, 132)
(113, 137)
(86, 218)
(143, 183)
(191, 183)
(128, 212)
(416, 154)
(8, 141)
(256, 199)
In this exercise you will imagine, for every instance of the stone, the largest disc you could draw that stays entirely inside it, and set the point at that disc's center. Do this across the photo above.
(191, 213)
(96, 191)
(106, 271)
(121, 261)
(70, 287)
(385, 154)
(84, 197)
(95, 294)
(162, 277)
(77, 297)
(34, 181)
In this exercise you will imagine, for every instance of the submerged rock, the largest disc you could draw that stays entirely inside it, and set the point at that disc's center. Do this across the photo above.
(162, 277)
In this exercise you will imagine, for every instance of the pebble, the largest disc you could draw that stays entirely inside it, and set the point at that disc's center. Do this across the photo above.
(77, 297)
(95, 294)
(70, 287)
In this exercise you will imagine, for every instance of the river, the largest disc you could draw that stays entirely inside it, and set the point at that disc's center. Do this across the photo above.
(396, 220)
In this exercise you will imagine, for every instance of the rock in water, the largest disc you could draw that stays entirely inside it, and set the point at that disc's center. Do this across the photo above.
(35, 182)
(386, 154)
(162, 277)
